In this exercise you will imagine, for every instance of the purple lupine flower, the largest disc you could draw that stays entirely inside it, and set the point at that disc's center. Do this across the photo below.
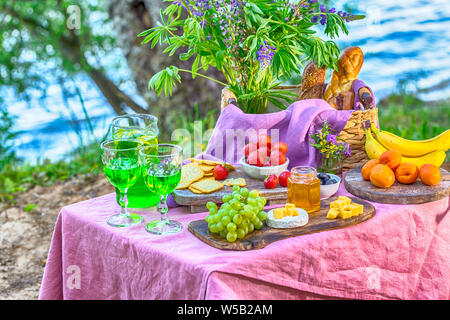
(265, 55)
(348, 150)
(331, 138)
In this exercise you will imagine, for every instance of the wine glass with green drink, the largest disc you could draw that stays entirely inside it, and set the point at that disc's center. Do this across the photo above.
(142, 127)
(122, 168)
(161, 170)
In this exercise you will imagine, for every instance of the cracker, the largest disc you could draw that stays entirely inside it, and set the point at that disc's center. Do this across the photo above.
(190, 173)
(208, 185)
(239, 181)
(193, 190)
(213, 163)
(206, 168)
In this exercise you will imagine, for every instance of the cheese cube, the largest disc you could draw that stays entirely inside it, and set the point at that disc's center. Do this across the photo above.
(332, 214)
(337, 204)
(360, 208)
(345, 214)
(345, 199)
(279, 213)
(353, 209)
(292, 212)
(290, 205)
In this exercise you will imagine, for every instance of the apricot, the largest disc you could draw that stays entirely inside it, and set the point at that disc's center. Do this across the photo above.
(430, 174)
(407, 173)
(382, 176)
(391, 158)
(367, 168)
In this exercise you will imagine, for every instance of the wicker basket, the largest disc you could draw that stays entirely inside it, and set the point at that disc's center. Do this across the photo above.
(354, 135)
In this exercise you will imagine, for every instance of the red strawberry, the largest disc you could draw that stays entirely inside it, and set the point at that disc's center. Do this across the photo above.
(280, 146)
(283, 178)
(271, 182)
(277, 158)
(255, 158)
(220, 172)
(249, 148)
(264, 141)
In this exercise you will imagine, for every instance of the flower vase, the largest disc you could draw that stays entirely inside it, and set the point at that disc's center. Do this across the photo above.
(330, 164)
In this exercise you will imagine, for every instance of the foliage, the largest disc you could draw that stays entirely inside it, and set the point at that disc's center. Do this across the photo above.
(6, 138)
(43, 35)
(253, 43)
(328, 143)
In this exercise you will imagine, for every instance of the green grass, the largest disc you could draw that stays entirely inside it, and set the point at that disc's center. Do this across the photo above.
(16, 176)
(408, 117)
(411, 118)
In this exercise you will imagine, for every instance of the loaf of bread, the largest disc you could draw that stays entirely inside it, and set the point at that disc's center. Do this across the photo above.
(313, 82)
(227, 97)
(349, 66)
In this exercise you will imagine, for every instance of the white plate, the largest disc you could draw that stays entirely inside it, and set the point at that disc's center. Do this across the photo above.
(288, 222)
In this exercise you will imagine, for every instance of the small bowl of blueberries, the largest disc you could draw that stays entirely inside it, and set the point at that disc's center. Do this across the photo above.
(329, 184)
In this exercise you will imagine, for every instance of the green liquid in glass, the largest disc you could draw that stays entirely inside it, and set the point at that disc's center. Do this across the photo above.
(139, 195)
(163, 184)
(122, 172)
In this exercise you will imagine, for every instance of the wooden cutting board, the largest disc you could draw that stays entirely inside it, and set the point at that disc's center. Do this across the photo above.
(261, 238)
(197, 202)
(398, 193)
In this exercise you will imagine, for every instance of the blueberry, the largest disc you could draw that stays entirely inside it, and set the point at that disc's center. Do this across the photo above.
(328, 182)
(322, 175)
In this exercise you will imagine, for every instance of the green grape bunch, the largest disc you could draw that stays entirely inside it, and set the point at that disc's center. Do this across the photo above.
(241, 213)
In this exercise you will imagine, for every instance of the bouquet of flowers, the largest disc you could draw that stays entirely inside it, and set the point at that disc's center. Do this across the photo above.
(329, 145)
(252, 42)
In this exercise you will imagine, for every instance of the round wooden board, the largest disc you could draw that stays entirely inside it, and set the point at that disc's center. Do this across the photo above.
(398, 193)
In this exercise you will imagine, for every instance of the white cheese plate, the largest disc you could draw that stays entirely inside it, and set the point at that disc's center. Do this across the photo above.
(288, 222)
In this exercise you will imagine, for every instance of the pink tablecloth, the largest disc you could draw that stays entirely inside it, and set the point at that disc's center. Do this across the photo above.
(401, 253)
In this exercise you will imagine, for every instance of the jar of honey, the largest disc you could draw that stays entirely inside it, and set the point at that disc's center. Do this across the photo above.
(304, 189)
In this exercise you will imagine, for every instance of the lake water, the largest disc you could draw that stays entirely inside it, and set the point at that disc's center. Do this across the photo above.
(403, 39)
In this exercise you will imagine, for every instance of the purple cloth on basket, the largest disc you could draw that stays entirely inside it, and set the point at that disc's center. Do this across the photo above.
(295, 125)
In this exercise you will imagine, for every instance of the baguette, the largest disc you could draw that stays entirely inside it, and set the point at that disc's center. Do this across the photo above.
(349, 66)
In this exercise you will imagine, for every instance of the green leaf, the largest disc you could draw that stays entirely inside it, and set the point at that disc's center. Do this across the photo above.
(195, 67)
(30, 207)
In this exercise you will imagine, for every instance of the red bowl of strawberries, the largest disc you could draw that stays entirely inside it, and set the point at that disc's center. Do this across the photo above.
(264, 158)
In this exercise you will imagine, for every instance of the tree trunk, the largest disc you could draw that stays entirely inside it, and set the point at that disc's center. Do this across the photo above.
(131, 17)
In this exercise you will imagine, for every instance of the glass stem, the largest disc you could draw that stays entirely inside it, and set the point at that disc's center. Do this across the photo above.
(162, 208)
(124, 201)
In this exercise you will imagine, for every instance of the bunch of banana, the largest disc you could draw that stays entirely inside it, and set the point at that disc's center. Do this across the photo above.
(419, 152)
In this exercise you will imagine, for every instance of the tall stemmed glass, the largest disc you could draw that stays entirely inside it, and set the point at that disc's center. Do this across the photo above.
(122, 167)
(161, 170)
